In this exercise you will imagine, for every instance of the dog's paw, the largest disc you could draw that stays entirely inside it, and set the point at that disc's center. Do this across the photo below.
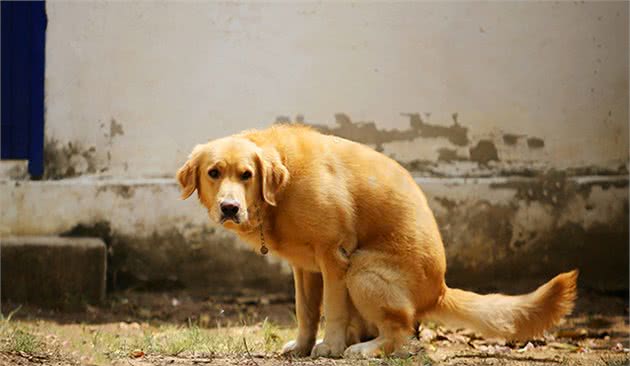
(363, 350)
(324, 349)
(297, 349)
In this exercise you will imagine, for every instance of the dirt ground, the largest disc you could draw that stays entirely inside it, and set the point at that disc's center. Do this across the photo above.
(141, 329)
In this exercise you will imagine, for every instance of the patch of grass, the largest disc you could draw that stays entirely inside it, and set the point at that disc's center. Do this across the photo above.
(16, 338)
(20, 340)
(392, 361)
(103, 344)
(424, 359)
(188, 339)
(24, 341)
(271, 337)
(8, 317)
(420, 360)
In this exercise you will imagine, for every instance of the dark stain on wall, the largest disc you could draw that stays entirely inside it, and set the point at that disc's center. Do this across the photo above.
(482, 253)
(550, 187)
(100, 229)
(203, 262)
(366, 132)
(68, 160)
(535, 143)
(456, 133)
(511, 139)
(555, 187)
(369, 133)
(115, 129)
(122, 190)
(422, 167)
(484, 152)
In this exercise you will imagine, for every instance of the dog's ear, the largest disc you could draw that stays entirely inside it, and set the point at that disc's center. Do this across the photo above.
(275, 175)
(187, 175)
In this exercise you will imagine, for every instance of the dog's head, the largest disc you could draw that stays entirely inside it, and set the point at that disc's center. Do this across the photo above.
(233, 177)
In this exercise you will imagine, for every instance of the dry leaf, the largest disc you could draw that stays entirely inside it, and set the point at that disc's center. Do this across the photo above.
(137, 353)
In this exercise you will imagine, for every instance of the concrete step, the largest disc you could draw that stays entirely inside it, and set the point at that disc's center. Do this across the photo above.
(497, 231)
(53, 271)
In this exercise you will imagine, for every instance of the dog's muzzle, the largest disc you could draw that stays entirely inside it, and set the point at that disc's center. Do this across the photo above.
(229, 210)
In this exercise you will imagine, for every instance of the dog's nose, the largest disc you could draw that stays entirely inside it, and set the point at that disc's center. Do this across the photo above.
(229, 208)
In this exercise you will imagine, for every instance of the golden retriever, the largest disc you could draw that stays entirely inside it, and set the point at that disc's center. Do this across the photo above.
(360, 237)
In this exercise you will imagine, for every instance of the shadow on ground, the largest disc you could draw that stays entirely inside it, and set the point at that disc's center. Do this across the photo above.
(176, 328)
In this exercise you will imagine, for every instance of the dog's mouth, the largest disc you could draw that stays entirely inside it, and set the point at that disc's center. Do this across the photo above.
(225, 219)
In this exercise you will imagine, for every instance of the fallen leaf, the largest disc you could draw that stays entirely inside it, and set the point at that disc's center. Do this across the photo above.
(137, 353)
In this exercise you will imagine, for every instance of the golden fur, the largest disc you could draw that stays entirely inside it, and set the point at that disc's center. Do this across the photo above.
(360, 237)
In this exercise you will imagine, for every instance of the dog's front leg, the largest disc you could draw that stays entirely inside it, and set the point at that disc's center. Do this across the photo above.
(308, 302)
(336, 305)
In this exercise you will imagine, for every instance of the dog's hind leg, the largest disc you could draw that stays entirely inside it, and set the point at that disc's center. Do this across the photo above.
(378, 291)
(359, 330)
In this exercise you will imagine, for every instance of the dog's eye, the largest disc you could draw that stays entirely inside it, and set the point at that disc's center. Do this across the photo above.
(246, 175)
(213, 173)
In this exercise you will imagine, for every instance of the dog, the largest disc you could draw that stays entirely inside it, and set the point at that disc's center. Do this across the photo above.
(360, 237)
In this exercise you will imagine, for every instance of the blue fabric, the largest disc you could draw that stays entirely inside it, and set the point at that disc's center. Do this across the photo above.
(23, 51)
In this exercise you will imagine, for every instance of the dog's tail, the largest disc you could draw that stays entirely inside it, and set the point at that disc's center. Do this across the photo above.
(509, 317)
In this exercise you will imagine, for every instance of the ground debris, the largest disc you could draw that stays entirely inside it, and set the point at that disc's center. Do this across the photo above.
(142, 329)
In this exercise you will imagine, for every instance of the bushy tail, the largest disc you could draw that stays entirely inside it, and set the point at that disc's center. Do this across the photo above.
(509, 317)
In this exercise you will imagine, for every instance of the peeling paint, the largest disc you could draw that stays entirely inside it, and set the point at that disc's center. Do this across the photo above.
(68, 160)
(535, 143)
(456, 133)
(440, 151)
(484, 152)
(368, 133)
(511, 139)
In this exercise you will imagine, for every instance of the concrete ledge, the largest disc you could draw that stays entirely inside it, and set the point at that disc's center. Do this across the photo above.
(499, 232)
(53, 271)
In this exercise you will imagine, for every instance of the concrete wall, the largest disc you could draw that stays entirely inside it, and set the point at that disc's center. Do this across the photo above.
(133, 85)
(530, 99)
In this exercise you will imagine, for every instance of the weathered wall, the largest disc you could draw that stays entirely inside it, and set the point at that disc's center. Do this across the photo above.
(498, 232)
(512, 116)
(130, 87)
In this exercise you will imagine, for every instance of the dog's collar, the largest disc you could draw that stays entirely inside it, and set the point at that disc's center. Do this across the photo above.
(263, 248)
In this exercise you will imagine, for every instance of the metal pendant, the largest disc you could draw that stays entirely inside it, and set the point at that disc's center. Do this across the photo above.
(263, 250)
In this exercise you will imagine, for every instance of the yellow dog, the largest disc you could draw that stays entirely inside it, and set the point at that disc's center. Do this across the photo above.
(360, 238)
